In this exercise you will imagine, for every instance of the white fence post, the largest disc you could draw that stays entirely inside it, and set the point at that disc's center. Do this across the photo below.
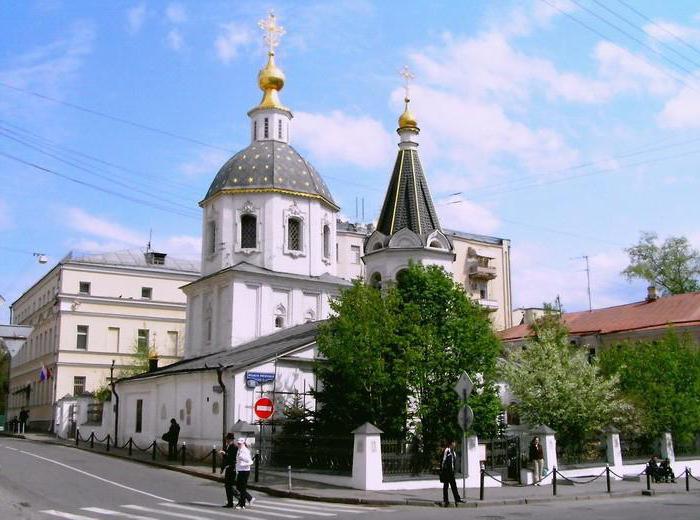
(667, 447)
(367, 470)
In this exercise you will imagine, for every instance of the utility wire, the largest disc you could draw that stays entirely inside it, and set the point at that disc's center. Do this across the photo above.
(136, 200)
(637, 27)
(96, 174)
(664, 29)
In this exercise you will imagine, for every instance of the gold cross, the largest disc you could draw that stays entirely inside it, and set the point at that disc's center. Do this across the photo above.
(407, 76)
(273, 32)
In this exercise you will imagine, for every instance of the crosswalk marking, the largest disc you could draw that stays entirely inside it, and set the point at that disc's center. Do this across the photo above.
(325, 506)
(228, 514)
(336, 505)
(121, 514)
(69, 516)
(292, 510)
(169, 513)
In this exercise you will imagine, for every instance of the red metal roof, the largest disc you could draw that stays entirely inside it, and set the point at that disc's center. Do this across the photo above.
(679, 309)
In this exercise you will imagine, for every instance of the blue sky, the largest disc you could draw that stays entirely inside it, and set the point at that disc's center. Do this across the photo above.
(564, 126)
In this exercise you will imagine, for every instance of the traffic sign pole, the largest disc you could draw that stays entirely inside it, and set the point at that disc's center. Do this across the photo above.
(464, 447)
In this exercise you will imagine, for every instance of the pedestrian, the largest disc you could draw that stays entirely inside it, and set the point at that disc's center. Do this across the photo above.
(23, 418)
(447, 474)
(243, 463)
(228, 468)
(537, 459)
(171, 437)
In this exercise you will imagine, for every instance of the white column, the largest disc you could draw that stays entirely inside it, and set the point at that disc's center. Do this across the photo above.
(367, 458)
(613, 450)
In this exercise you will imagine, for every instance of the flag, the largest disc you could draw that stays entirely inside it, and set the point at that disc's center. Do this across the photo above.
(44, 374)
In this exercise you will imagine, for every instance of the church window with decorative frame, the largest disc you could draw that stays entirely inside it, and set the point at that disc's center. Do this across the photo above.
(255, 130)
(326, 242)
(249, 231)
(294, 234)
(211, 237)
(280, 316)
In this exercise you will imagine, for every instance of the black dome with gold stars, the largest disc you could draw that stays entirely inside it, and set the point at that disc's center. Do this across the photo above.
(270, 166)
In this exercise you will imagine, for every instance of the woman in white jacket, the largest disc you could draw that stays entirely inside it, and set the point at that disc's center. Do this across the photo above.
(244, 461)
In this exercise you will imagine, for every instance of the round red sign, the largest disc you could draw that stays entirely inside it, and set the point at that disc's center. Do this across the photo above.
(263, 408)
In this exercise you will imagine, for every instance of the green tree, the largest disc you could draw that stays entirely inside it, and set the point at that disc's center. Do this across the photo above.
(673, 266)
(392, 356)
(555, 384)
(662, 379)
(137, 364)
(4, 377)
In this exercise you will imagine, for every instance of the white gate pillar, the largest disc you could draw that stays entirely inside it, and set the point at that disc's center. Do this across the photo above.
(549, 447)
(367, 458)
(667, 447)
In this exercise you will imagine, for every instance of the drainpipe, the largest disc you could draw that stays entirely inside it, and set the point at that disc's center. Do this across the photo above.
(219, 373)
(116, 402)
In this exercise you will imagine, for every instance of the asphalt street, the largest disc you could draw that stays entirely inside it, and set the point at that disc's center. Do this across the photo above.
(43, 481)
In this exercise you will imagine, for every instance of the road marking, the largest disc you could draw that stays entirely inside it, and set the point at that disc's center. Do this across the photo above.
(169, 513)
(335, 505)
(109, 512)
(13, 449)
(325, 506)
(291, 510)
(96, 476)
(70, 516)
(221, 513)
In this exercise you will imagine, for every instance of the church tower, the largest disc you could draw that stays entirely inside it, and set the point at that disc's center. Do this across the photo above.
(408, 229)
(269, 232)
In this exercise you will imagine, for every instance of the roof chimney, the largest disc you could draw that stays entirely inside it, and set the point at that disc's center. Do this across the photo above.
(651, 293)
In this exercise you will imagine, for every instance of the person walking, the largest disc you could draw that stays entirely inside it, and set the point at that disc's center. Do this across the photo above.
(228, 468)
(447, 474)
(171, 437)
(537, 459)
(244, 461)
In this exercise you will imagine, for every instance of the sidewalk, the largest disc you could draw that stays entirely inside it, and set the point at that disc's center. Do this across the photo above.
(301, 489)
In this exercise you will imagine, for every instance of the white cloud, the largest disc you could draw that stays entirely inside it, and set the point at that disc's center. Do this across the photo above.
(174, 39)
(682, 110)
(465, 215)
(207, 163)
(338, 137)
(175, 13)
(135, 17)
(181, 246)
(48, 67)
(668, 31)
(80, 220)
(231, 40)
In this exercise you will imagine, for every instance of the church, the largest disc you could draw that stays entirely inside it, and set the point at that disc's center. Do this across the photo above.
(270, 264)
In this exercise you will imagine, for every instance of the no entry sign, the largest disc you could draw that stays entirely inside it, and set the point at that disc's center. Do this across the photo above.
(263, 408)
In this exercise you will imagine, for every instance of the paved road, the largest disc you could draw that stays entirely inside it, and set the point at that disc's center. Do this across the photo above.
(43, 481)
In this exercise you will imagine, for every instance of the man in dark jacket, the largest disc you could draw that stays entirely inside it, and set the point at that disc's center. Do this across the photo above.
(171, 436)
(228, 468)
(447, 474)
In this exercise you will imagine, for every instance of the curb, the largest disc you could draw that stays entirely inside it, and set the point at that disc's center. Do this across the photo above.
(415, 502)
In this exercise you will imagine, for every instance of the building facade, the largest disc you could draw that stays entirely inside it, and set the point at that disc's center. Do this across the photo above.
(87, 311)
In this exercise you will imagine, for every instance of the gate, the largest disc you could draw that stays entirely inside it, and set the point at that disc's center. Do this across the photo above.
(513, 460)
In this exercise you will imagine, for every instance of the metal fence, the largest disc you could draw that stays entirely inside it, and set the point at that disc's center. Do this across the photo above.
(311, 452)
(403, 457)
(638, 449)
(592, 451)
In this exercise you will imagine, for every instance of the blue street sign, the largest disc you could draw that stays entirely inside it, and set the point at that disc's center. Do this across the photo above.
(253, 379)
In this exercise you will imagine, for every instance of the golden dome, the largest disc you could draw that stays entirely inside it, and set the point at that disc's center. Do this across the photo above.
(271, 81)
(407, 120)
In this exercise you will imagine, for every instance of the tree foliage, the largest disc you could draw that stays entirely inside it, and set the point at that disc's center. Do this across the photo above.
(392, 356)
(4, 376)
(555, 384)
(673, 266)
(662, 379)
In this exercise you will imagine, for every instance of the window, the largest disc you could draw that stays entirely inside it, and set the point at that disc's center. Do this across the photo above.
(255, 130)
(355, 254)
(294, 234)
(82, 337)
(249, 224)
(78, 385)
(173, 339)
(326, 241)
(139, 415)
(142, 341)
(279, 322)
(211, 237)
(207, 331)
(266, 128)
(279, 129)
(146, 293)
(113, 339)
(84, 288)
(375, 281)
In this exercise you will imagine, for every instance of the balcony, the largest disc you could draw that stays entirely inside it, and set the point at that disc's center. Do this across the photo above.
(484, 272)
(489, 305)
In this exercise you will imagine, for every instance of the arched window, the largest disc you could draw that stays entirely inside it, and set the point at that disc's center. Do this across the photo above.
(326, 241)
(377, 246)
(375, 280)
(255, 130)
(436, 244)
(266, 128)
(401, 274)
(294, 238)
(211, 237)
(249, 230)
(279, 322)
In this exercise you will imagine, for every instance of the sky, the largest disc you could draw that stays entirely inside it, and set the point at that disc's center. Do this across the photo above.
(565, 126)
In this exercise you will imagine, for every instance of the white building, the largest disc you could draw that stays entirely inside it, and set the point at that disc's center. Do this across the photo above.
(87, 311)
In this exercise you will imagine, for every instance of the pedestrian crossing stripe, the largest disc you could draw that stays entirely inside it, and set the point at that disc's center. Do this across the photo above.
(221, 513)
(264, 505)
(120, 514)
(69, 516)
(188, 516)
